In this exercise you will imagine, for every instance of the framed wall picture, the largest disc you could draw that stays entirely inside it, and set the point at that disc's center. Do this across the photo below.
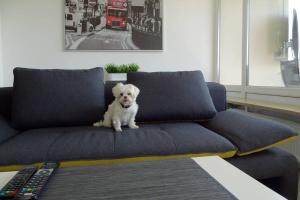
(108, 25)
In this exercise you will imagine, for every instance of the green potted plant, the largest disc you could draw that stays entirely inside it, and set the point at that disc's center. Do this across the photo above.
(119, 72)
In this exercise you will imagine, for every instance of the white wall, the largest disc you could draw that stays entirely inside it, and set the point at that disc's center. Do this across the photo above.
(1, 61)
(33, 37)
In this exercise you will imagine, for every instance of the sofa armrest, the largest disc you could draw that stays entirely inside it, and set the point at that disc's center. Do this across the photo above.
(6, 131)
(5, 101)
(218, 95)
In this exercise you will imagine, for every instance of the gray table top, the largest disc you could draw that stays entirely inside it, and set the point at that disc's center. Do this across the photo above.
(167, 179)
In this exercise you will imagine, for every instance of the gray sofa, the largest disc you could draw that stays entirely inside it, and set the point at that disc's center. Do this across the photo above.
(274, 167)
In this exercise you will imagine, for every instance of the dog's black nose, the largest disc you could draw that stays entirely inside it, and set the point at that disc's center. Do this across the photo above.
(125, 97)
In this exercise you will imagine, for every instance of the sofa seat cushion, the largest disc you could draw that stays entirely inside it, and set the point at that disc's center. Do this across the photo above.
(169, 139)
(172, 96)
(91, 143)
(56, 144)
(250, 133)
(56, 97)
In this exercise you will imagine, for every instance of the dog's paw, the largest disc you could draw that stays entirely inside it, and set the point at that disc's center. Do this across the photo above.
(118, 130)
(134, 126)
(97, 124)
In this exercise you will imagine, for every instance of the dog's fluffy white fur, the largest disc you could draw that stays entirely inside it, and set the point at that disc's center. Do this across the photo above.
(123, 109)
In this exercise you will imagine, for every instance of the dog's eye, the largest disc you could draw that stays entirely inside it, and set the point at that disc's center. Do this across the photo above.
(129, 94)
(121, 94)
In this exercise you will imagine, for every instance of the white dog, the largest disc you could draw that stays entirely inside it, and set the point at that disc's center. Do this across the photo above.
(124, 108)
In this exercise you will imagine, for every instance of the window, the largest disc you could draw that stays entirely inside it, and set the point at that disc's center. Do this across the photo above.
(268, 30)
(117, 13)
(69, 17)
(258, 47)
(271, 60)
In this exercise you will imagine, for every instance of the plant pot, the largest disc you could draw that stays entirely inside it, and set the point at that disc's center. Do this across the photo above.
(116, 77)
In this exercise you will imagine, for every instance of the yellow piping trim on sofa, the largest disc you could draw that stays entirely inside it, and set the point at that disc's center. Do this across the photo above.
(290, 139)
(141, 159)
(7, 168)
(228, 154)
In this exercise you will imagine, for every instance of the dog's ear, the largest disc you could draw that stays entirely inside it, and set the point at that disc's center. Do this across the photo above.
(116, 90)
(135, 89)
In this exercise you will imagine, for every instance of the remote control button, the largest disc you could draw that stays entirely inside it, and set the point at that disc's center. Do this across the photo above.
(27, 194)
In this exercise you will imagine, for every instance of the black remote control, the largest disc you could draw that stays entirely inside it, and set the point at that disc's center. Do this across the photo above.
(32, 189)
(11, 189)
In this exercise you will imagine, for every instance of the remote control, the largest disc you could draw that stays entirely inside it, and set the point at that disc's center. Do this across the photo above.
(32, 189)
(11, 189)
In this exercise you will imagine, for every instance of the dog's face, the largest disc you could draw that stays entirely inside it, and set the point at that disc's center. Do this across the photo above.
(125, 94)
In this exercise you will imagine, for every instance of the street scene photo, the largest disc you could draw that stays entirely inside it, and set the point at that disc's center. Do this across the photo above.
(113, 25)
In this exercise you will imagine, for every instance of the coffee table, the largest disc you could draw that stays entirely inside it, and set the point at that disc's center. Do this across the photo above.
(196, 178)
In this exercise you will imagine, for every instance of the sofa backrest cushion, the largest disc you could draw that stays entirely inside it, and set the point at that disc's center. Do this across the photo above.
(169, 96)
(216, 91)
(55, 97)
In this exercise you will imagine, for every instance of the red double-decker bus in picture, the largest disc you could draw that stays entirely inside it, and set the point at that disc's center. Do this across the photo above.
(117, 14)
